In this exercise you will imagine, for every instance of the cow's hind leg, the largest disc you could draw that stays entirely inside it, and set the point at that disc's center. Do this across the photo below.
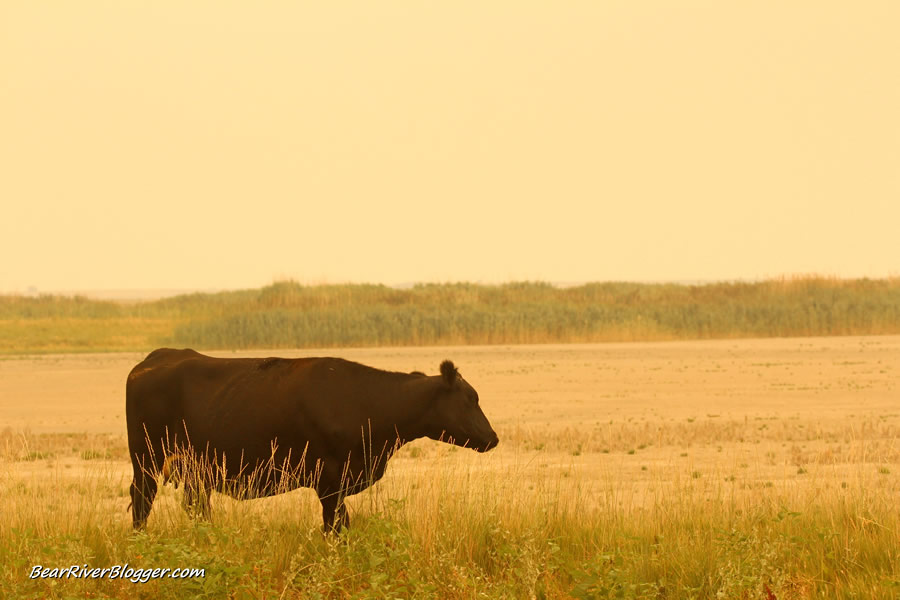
(143, 491)
(143, 486)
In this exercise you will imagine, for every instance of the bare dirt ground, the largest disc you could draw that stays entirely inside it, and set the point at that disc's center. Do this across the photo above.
(535, 386)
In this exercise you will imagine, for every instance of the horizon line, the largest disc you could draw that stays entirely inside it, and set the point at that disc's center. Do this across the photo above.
(151, 294)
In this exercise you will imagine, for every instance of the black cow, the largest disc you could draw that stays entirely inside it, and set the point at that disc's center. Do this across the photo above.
(258, 427)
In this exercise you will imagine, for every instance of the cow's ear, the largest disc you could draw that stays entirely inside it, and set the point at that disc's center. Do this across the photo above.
(449, 372)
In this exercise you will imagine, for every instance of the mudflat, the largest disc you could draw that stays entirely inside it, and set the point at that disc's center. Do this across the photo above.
(535, 386)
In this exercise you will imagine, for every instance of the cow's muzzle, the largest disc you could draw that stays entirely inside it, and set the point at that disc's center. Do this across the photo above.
(491, 444)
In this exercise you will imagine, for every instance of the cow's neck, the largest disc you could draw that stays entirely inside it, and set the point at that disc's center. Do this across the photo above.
(402, 414)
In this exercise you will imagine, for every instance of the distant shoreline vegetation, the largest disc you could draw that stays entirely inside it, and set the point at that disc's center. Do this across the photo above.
(289, 315)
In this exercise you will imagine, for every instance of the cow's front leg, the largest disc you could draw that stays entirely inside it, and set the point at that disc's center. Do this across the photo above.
(342, 518)
(334, 513)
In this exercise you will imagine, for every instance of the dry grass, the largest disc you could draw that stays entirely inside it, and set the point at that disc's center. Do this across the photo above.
(636, 471)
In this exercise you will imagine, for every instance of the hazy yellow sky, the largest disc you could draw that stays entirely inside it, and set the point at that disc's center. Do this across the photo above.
(200, 145)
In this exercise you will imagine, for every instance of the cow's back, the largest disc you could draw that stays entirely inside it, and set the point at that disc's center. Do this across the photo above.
(235, 406)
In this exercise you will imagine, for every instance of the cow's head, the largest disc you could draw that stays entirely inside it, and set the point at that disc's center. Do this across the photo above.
(455, 415)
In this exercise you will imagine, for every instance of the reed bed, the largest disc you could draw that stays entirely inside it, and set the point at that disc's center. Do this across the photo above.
(289, 315)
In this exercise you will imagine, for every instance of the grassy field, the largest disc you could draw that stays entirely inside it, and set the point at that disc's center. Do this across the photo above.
(288, 315)
(716, 469)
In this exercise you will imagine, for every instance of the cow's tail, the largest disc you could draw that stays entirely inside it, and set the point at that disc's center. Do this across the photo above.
(172, 466)
(171, 471)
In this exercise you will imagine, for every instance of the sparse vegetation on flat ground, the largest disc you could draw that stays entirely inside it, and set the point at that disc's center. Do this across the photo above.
(726, 469)
(288, 315)
(447, 528)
